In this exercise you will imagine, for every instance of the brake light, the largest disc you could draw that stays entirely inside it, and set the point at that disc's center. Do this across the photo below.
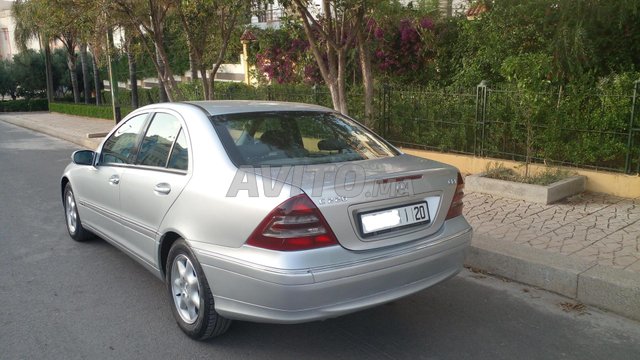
(456, 204)
(296, 224)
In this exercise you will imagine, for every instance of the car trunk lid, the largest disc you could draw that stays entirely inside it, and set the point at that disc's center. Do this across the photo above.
(375, 203)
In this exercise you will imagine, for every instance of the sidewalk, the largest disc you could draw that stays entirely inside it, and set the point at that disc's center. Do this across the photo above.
(586, 247)
(75, 129)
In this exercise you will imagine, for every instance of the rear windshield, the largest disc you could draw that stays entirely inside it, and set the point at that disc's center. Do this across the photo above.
(297, 138)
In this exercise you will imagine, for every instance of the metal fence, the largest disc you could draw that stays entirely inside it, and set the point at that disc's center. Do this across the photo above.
(590, 129)
(584, 129)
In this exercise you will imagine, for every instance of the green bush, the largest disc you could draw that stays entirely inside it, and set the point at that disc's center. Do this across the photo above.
(102, 112)
(525, 120)
(24, 105)
(145, 97)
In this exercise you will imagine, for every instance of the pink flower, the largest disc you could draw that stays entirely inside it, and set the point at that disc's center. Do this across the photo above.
(378, 33)
(426, 23)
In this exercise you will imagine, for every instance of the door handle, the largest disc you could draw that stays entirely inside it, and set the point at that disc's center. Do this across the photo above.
(162, 189)
(114, 180)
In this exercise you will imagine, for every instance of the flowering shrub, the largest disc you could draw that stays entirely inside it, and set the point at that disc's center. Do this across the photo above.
(283, 56)
(404, 49)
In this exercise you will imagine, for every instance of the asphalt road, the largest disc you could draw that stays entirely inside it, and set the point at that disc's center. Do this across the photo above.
(63, 300)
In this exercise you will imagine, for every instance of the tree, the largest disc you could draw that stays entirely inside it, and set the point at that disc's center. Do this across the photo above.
(63, 20)
(363, 35)
(84, 62)
(587, 39)
(28, 27)
(92, 27)
(96, 76)
(7, 79)
(27, 69)
(133, 67)
(330, 34)
(149, 20)
(208, 26)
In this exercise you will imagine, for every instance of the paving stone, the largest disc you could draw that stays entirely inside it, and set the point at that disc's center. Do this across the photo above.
(594, 227)
(625, 260)
(634, 267)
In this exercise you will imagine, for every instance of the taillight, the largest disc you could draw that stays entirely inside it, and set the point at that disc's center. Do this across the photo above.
(456, 204)
(296, 224)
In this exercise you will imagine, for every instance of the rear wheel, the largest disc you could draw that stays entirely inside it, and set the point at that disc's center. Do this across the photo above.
(72, 217)
(191, 298)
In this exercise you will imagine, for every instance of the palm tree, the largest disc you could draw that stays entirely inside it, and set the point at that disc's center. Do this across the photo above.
(28, 27)
(60, 22)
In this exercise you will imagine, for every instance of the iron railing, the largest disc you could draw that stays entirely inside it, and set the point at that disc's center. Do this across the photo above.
(595, 129)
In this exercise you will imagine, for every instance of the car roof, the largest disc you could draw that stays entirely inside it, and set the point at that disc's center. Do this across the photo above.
(221, 107)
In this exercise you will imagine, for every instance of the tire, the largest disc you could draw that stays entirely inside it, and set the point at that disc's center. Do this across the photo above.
(185, 281)
(72, 217)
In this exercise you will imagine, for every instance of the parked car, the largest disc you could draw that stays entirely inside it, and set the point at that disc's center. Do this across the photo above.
(267, 211)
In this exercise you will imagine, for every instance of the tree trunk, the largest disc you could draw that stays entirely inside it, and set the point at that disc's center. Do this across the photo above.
(85, 73)
(164, 97)
(133, 78)
(332, 59)
(205, 86)
(49, 70)
(71, 64)
(445, 7)
(173, 93)
(342, 92)
(212, 78)
(96, 79)
(367, 77)
(193, 65)
(221, 53)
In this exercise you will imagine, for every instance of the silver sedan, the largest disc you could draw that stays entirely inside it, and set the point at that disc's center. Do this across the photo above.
(266, 211)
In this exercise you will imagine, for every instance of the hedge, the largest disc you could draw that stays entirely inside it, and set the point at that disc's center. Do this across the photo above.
(584, 126)
(102, 112)
(24, 105)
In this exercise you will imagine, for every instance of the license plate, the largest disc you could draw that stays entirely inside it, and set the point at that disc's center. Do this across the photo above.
(381, 221)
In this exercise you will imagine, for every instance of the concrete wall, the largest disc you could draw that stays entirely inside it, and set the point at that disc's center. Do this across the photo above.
(227, 72)
(597, 181)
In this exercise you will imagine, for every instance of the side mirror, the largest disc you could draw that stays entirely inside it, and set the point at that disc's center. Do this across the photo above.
(83, 157)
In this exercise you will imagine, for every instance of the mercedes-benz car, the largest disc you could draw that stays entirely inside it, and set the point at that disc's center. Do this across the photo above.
(267, 211)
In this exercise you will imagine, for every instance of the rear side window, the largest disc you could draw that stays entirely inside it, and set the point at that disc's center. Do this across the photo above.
(297, 138)
(179, 158)
(120, 146)
(158, 140)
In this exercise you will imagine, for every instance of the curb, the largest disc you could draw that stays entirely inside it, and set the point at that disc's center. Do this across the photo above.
(610, 289)
(541, 194)
(89, 143)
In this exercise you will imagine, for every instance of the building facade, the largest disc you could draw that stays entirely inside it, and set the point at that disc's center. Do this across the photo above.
(8, 46)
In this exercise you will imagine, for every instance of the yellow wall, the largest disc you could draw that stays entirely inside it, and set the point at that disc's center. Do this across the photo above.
(597, 181)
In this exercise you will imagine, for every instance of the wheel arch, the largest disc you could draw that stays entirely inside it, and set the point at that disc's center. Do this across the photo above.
(166, 242)
(63, 183)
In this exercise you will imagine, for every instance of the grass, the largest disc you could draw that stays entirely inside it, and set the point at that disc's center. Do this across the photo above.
(496, 170)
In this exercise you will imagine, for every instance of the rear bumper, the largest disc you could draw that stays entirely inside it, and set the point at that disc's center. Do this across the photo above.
(250, 291)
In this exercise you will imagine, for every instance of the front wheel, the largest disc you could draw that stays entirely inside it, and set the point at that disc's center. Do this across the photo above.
(72, 217)
(191, 298)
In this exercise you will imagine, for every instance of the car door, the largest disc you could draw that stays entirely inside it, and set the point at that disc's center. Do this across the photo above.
(149, 188)
(98, 187)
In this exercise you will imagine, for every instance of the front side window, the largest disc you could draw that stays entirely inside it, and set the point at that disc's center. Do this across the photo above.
(157, 142)
(297, 138)
(120, 146)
